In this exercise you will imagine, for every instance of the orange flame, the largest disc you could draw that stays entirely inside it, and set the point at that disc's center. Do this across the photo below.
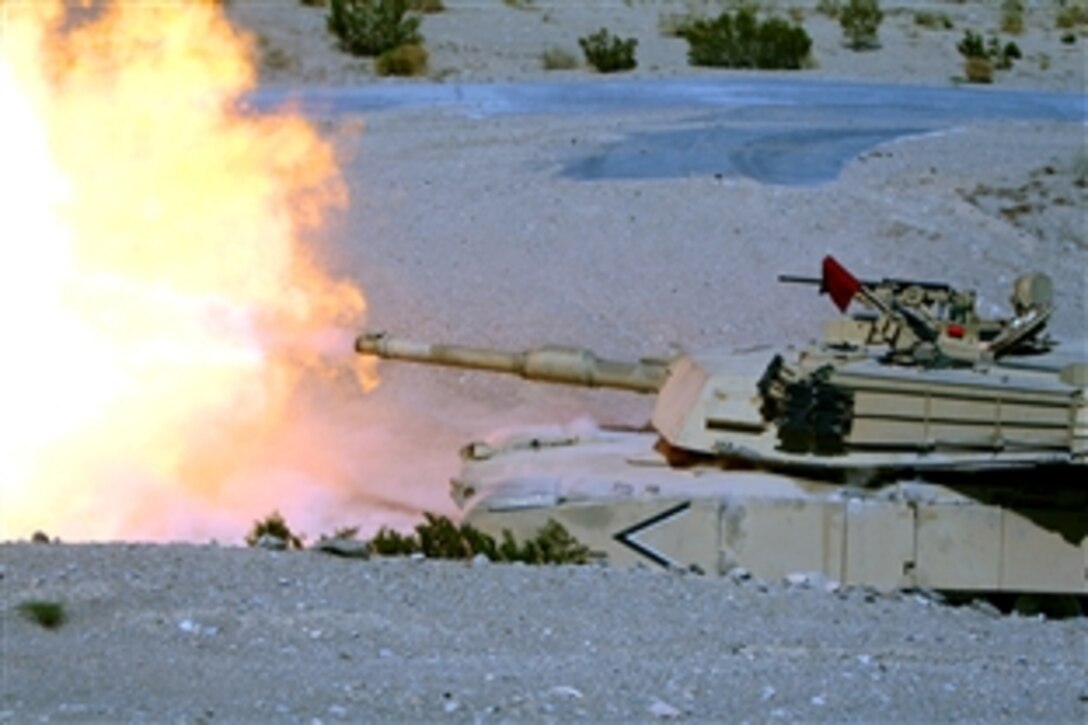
(159, 311)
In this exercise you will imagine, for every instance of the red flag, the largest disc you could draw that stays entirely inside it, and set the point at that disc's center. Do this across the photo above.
(839, 283)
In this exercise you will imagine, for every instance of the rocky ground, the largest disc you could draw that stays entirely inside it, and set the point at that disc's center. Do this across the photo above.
(187, 633)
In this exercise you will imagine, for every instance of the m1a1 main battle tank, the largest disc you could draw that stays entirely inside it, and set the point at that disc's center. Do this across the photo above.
(917, 445)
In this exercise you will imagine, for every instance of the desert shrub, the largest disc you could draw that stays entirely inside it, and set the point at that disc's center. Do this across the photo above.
(609, 53)
(371, 27)
(972, 45)
(1069, 38)
(983, 57)
(558, 59)
(797, 14)
(404, 60)
(273, 525)
(1002, 56)
(439, 538)
(741, 41)
(860, 21)
(1071, 15)
(313, 3)
(933, 20)
(830, 8)
(48, 614)
(1012, 16)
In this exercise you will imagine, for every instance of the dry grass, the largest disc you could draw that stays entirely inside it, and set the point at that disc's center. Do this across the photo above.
(558, 59)
(405, 60)
(978, 70)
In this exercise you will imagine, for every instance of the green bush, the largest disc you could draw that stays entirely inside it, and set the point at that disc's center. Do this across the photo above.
(439, 538)
(971, 45)
(982, 57)
(427, 6)
(741, 41)
(273, 525)
(48, 614)
(404, 60)
(860, 21)
(372, 27)
(608, 53)
(558, 59)
(1003, 56)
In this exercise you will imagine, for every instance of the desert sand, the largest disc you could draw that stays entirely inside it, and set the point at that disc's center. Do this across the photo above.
(463, 227)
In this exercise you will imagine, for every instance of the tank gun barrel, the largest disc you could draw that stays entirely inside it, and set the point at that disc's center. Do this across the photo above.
(553, 364)
(893, 285)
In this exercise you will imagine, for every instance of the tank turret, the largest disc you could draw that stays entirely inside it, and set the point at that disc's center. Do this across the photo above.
(916, 380)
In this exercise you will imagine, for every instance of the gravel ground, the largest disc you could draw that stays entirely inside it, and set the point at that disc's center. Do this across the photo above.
(186, 633)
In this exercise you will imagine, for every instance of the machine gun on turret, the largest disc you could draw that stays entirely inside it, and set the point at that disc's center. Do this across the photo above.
(931, 323)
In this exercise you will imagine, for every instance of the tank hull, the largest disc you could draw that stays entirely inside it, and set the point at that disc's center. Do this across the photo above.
(618, 493)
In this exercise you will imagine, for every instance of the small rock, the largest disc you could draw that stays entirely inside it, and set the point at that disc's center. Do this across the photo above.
(189, 626)
(480, 560)
(812, 580)
(385, 653)
(272, 543)
(660, 708)
(566, 692)
(451, 706)
(818, 700)
(797, 579)
(768, 693)
(739, 574)
(417, 556)
(338, 711)
(928, 596)
(985, 607)
(341, 546)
